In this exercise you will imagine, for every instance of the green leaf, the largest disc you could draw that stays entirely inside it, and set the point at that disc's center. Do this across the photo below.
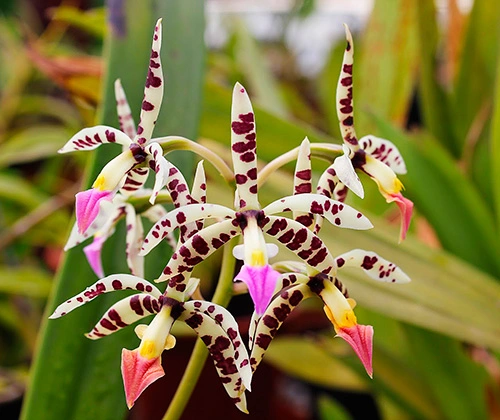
(252, 63)
(32, 143)
(306, 360)
(433, 99)
(330, 409)
(385, 63)
(449, 374)
(476, 74)
(25, 281)
(494, 155)
(67, 376)
(91, 21)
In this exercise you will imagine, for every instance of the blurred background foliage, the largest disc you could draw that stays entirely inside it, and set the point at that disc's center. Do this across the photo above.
(426, 76)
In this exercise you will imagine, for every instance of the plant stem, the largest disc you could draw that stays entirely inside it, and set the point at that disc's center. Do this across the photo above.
(222, 296)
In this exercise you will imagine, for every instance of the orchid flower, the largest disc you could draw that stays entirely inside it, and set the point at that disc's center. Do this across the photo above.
(103, 226)
(128, 170)
(142, 366)
(301, 284)
(111, 213)
(249, 220)
(378, 158)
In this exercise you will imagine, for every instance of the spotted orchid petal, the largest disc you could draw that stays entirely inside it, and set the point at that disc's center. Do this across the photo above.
(373, 265)
(138, 373)
(344, 96)
(127, 124)
(227, 322)
(123, 313)
(106, 285)
(285, 281)
(198, 247)
(261, 282)
(153, 91)
(199, 190)
(222, 352)
(93, 137)
(330, 186)
(93, 254)
(198, 195)
(243, 148)
(135, 179)
(360, 338)
(346, 173)
(160, 165)
(297, 238)
(302, 182)
(133, 241)
(337, 213)
(277, 312)
(167, 174)
(180, 216)
(385, 151)
(87, 206)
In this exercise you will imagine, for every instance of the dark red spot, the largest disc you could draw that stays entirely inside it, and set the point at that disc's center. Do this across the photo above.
(346, 81)
(340, 262)
(181, 217)
(263, 341)
(242, 127)
(240, 179)
(305, 174)
(347, 68)
(270, 322)
(316, 208)
(106, 323)
(200, 245)
(369, 262)
(152, 80)
(194, 321)
(248, 157)
(135, 305)
(296, 298)
(348, 121)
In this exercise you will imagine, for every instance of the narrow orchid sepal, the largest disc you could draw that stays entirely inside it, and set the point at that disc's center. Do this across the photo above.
(138, 373)
(87, 206)
(373, 265)
(261, 282)
(406, 209)
(93, 254)
(360, 338)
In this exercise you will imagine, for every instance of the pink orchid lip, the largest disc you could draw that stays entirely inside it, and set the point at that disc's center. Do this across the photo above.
(406, 209)
(360, 338)
(261, 283)
(138, 373)
(93, 254)
(87, 206)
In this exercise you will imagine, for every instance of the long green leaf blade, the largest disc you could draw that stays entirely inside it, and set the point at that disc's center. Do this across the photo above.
(74, 377)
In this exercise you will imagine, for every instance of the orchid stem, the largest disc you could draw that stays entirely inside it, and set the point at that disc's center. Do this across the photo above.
(222, 296)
